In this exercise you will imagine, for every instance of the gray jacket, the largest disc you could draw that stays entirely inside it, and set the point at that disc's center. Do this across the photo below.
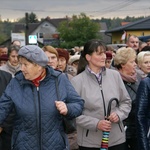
(90, 90)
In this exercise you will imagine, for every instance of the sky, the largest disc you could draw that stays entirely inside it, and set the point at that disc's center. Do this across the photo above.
(15, 9)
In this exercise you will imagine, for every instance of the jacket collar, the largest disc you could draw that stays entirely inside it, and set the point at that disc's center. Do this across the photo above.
(50, 73)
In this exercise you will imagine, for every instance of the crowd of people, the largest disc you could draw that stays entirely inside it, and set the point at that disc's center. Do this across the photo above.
(103, 91)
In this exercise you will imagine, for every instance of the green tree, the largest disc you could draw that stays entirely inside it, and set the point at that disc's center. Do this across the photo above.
(5, 30)
(78, 30)
(32, 18)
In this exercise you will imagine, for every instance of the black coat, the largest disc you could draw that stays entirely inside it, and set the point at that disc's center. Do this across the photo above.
(5, 77)
(130, 122)
(5, 135)
(143, 114)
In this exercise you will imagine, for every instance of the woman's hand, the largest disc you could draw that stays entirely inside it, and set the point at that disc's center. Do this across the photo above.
(61, 106)
(113, 117)
(104, 125)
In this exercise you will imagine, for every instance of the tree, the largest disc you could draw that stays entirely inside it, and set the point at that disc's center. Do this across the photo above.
(32, 18)
(77, 31)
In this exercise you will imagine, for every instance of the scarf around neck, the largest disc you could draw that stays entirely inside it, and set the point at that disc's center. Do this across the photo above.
(128, 78)
(37, 80)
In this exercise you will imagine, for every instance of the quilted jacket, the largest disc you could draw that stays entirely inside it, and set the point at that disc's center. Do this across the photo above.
(143, 114)
(37, 122)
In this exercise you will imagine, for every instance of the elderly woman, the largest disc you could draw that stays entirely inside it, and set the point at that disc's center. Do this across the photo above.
(143, 61)
(124, 61)
(97, 85)
(12, 65)
(143, 114)
(52, 55)
(38, 123)
(63, 63)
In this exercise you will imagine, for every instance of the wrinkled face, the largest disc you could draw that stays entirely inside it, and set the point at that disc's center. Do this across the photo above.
(130, 67)
(13, 58)
(133, 43)
(3, 62)
(30, 70)
(61, 64)
(145, 65)
(96, 60)
(53, 61)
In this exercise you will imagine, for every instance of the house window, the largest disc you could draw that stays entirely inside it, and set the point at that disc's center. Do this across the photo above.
(40, 35)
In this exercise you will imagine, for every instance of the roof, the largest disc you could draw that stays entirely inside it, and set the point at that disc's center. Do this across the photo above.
(103, 26)
(142, 24)
(20, 27)
(56, 21)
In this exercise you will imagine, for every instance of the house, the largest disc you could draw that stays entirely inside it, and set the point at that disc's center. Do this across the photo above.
(103, 28)
(46, 30)
(138, 28)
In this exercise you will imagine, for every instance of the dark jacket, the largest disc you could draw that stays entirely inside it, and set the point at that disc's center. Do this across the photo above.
(130, 122)
(5, 135)
(5, 78)
(38, 124)
(143, 114)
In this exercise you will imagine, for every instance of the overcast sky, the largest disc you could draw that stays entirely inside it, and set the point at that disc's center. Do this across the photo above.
(14, 9)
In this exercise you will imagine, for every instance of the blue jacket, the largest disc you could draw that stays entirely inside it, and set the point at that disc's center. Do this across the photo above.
(37, 123)
(143, 114)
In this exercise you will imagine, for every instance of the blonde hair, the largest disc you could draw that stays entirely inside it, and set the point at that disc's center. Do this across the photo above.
(141, 56)
(50, 49)
(123, 55)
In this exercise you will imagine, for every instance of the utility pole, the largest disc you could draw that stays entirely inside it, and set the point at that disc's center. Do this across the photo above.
(26, 29)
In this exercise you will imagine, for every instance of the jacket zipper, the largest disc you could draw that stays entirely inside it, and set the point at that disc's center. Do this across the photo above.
(39, 120)
(87, 132)
(100, 85)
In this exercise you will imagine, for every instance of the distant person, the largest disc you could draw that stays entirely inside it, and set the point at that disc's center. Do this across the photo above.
(142, 45)
(16, 42)
(3, 59)
(12, 65)
(111, 50)
(143, 61)
(108, 60)
(145, 48)
(133, 42)
(63, 63)
(74, 60)
(52, 55)
(3, 50)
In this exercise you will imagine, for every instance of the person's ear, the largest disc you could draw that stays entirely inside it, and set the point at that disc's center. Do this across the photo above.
(88, 57)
